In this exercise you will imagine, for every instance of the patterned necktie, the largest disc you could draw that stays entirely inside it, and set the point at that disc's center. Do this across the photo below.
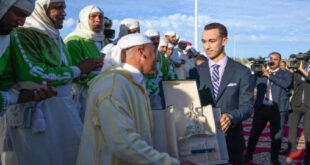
(215, 78)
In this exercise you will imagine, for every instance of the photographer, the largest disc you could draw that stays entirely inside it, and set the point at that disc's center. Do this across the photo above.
(300, 107)
(271, 105)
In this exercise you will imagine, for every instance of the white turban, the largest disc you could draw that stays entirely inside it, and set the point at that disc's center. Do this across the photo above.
(83, 30)
(27, 5)
(113, 52)
(131, 40)
(127, 24)
(151, 33)
(182, 41)
(177, 36)
(170, 33)
(40, 22)
(162, 42)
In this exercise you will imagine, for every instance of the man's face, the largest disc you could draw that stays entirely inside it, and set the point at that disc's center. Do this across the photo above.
(12, 18)
(169, 52)
(95, 22)
(134, 30)
(213, 43)
(282, 65)
(155, 40)
(148, 61)
(56, 12)
(274, 61)
(182, 45)
(171, 39)
(162, 49)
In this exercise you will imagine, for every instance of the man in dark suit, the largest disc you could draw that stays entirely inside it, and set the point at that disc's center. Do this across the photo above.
(225, 84)
(271, 105)
(301, 107)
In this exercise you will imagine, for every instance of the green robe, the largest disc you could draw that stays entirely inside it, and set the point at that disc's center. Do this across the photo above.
(81, 49)
(38, 59)
(162, 73)
(6, 76)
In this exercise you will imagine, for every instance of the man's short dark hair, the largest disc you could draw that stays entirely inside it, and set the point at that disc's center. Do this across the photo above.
(220, 27)
(201, 57)
(277, 53)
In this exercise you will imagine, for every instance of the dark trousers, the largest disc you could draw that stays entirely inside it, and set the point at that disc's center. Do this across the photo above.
(276, 120)
(293, 121)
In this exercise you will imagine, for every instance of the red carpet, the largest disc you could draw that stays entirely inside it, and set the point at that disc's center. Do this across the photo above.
(262, 153)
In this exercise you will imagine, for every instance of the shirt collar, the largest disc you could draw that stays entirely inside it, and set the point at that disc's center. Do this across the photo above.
(222, 62)
(136, 74)
(274, 71)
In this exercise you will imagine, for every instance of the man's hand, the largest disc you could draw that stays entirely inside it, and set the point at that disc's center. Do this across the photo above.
(186, 162)
(36, 94)
(100, 62)
(265, 72)
(88, 65)
(224, 122)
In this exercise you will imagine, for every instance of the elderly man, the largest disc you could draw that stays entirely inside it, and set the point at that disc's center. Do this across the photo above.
(179, 56)
(86, 42)
(128, 26)
(12, 14)
(154, 36)
(49, 133)
(111, 51)
(118, 122)
(171, 64)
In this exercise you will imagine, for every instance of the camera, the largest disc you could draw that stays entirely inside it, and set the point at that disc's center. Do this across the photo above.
(295, 60)
(256, 65)
(108, 32)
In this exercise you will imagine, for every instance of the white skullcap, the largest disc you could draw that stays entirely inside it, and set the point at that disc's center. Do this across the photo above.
(162, 42)
(27, 5)
(135, 39)
(113, 52)
(170, 45)
(170, 33)
(151, 33)
(182, 41)
(130, 23)
(125, 25)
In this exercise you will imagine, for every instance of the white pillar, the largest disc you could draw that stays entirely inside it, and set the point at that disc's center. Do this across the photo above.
(234, 46)
(196, 25)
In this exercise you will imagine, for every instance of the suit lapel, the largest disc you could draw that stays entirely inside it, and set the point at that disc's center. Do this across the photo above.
(228, 74)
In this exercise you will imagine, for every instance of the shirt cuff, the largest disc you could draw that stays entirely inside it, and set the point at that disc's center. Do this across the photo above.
(76, 71)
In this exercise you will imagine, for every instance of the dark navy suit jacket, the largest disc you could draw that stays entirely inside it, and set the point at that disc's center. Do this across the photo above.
(281, 81)
(235, 97)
